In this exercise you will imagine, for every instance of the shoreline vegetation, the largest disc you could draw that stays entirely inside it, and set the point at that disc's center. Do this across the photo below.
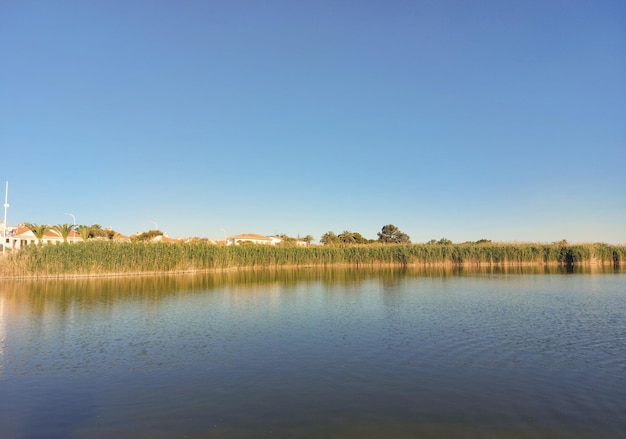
(102, 258)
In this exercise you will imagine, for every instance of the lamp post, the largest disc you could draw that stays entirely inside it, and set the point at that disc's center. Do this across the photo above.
(74, 228)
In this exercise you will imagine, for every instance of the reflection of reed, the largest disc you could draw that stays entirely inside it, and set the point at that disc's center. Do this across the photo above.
(63, 294)
(2, 333)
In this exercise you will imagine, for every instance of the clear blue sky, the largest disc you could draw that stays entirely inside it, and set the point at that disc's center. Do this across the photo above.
(498, 119)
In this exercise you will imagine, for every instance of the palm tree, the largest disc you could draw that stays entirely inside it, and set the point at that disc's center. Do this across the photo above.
(64, 230)
(39, 230)
(308, 239)
(84, 232)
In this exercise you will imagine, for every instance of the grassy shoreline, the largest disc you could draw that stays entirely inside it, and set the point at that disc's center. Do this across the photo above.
(102, 258)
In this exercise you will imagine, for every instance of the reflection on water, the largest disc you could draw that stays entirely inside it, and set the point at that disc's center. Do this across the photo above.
(102, 290)
(342, 352)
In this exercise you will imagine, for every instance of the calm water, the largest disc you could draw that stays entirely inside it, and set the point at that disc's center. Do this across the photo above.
(313, 353)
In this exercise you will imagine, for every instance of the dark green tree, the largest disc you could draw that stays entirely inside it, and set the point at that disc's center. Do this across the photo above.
(390, 234)
(348, 237)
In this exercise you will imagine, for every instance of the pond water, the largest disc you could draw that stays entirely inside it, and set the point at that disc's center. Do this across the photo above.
(315, 353)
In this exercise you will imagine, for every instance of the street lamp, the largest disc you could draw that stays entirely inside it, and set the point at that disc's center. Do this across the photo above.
(74, 228)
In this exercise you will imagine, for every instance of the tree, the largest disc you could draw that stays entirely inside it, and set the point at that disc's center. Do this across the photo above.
(96, 231)
(442, 241)
(348, 237)
(286, 240)
(64, 230)
(359, 239)
(308, 239)
(329, 238)
(84, 232)
(147, 236)
(390, 234)
(39, 230)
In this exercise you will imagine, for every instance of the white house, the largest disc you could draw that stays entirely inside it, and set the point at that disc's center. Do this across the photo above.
(258, 239)
(19, 236)
(6, 233)
(253, 238)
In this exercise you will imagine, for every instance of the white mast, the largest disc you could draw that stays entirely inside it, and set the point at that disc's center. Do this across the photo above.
(6, 206)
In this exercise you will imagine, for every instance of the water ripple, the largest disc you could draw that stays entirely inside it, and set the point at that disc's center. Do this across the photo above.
(513, 356)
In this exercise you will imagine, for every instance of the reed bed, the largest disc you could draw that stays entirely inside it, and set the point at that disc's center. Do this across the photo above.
(101, 257)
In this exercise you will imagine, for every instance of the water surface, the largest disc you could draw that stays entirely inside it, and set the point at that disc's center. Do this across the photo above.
(316, 353)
